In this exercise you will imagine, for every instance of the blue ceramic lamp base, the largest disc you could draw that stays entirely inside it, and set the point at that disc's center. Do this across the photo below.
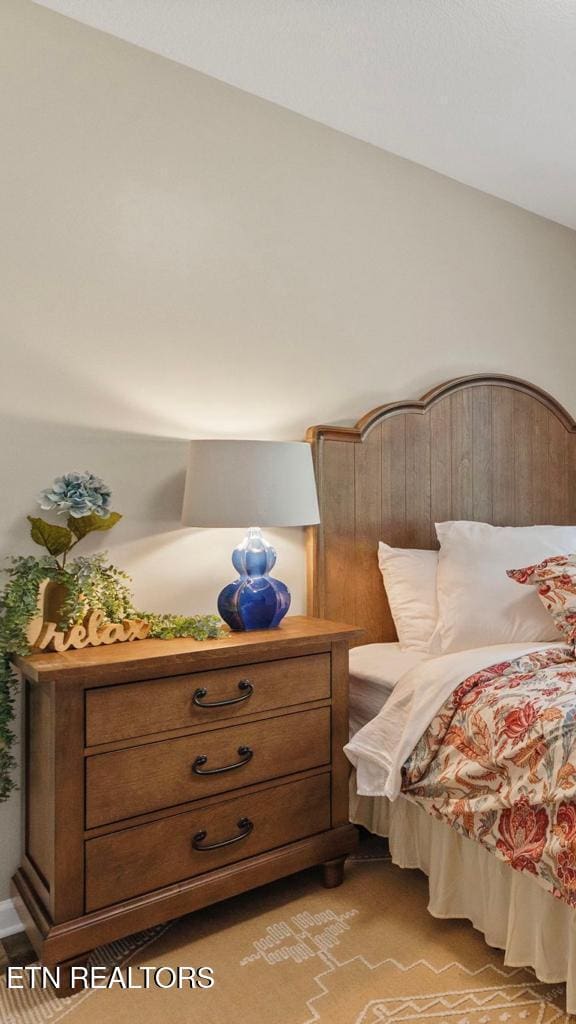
(255, 600)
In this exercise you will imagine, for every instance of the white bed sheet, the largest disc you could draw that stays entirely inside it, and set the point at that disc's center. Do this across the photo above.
(374, 671)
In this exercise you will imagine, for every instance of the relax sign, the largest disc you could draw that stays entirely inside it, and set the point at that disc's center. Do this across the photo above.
(94, 631)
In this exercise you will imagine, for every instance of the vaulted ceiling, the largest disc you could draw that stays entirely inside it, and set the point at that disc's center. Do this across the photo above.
(483, 91)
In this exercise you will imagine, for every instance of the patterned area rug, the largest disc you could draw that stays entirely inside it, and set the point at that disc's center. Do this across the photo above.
(295, 953)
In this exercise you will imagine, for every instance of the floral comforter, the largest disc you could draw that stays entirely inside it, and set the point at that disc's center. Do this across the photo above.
(498, 763)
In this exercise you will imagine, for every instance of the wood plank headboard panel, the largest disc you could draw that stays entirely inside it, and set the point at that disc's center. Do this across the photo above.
(489, 448)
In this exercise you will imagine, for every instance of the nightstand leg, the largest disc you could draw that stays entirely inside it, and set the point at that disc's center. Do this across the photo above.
(333, 873)
(66, 987)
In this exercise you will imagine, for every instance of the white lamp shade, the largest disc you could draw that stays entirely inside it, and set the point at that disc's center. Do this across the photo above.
(250, 483)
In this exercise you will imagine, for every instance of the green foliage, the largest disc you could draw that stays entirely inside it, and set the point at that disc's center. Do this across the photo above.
(59, 540)
(168, 627)
(91, 583)
(56, 539)
(88, 524)
(18, 605)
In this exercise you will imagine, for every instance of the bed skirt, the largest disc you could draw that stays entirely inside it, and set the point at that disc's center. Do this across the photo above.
(465, 880)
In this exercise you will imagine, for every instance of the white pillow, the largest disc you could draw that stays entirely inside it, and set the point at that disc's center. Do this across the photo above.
(410, 582)
(478, 604)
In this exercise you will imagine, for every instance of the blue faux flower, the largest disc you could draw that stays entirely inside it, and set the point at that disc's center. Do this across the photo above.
(78, 494)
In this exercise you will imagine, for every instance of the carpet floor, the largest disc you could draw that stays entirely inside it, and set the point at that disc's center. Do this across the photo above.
(295, 953)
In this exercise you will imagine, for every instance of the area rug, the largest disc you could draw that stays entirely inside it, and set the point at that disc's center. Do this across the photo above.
(295, 953)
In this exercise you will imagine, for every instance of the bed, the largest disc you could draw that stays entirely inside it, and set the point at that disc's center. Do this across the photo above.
(491, 449)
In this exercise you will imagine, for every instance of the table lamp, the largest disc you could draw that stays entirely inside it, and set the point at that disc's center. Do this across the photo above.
(251, 484)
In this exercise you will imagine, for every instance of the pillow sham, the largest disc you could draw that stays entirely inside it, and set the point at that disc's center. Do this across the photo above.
(555, 580)
(478, 604)
(409, 578)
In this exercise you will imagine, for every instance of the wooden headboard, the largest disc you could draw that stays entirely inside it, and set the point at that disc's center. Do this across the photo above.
(488, 448)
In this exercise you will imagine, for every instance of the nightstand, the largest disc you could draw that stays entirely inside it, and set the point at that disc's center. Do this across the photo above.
(162, 776)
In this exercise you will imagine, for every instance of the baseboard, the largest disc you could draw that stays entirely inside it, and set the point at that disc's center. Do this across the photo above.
(10, 923)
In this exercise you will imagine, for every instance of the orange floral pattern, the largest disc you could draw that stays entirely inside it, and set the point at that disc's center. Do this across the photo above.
(555, 579)
(498, 763)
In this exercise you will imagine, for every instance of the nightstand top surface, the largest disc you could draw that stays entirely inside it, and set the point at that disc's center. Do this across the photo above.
(171, 657)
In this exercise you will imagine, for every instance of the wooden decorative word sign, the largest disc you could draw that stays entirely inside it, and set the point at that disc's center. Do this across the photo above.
(94, 631)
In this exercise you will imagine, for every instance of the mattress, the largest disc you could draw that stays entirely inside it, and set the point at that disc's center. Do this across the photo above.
(374, 671)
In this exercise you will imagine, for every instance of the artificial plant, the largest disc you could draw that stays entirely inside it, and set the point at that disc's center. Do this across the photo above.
(89, 582)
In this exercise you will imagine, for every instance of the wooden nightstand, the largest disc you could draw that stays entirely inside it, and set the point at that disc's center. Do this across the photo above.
(162, 776)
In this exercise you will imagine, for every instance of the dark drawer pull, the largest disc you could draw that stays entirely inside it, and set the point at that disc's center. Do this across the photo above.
(244, 824)
(245, 753)
(244, 685)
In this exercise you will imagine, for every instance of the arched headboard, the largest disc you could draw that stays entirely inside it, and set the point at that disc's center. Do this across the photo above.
(487, 447)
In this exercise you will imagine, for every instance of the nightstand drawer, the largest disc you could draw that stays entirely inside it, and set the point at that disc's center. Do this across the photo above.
(152, 776)
(138, 860)
(137, 709)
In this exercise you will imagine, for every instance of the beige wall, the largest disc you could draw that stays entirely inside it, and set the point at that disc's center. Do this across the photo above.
(181, 259)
